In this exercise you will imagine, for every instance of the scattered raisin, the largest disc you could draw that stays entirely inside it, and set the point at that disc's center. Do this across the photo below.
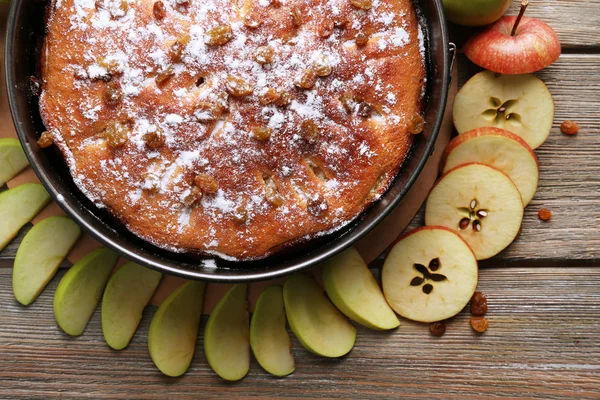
(193, 197)
(155, 139)
(297, 19)
(240, 215)
(268, 96)
(159, 10)
(177, 48)
(362, 4)
(437, 328)
(361, 39)
(326, 27)
(348, 101)
(111, 66)
(569, 127)
(479, 304)
(116, 134)
(262, 133)
(206, 111)
(309, 130)
(112, 93)
(479, 324)
(252, 20)
(416, 124)
(164, 76)
(238, 86)
(120, 10)
(206, 183)
(46, 140)
(340, 21)
(264, 54)
(364, 109)
(544, 214)
(284, 99)
(308, 79)
(317, 206)
(219, 36)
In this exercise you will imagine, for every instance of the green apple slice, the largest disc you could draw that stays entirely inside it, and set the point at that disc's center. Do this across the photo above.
(80, 290)
(174, 329)
(355, 292)
(127, 293)
(12, 159)
(317, 324)
(40, 253)
(226, 342)
(18, 206)
(269, 339)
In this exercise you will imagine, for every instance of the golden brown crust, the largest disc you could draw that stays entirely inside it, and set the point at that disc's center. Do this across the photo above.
(260, 191)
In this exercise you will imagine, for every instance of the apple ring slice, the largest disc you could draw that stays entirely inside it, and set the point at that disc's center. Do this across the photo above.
(499, 148)
(481, 203)
(430, 274)
(521, 104)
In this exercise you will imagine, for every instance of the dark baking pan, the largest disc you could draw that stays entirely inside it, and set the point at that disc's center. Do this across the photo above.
(24, 33)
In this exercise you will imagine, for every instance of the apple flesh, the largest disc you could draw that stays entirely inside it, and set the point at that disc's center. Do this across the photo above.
(40, 253)
(500, 149)
(534, 46)
(319, 326)
(430, 274)
(226, 336)
(80, 290)
(18, 206)
(355, 292)
(481, 203)
(12, 159)
(475, 12)
(174, 329)
(269, 339)
(126, 295)
(520, 104)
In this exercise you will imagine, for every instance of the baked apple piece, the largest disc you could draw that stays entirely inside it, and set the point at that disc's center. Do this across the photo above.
(430, 274)
(500, 149)
(520, 104)
(481, 203)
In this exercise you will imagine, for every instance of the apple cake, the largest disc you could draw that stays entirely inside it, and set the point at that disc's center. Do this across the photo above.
(233, 128)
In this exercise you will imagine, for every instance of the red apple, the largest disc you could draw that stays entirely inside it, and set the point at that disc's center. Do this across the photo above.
(514, 45)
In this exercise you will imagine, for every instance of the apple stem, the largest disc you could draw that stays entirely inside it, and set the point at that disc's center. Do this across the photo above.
(524, 5)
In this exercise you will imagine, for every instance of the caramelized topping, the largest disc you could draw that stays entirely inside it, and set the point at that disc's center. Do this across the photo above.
(219, 36)
(206, 183)
(238, 86)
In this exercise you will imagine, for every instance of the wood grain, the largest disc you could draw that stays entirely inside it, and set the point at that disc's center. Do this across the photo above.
(542, 342)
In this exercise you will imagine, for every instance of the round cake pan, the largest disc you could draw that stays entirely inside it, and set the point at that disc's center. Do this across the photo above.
(25, 30)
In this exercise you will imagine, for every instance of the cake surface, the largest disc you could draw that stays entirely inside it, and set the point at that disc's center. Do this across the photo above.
(232, 127)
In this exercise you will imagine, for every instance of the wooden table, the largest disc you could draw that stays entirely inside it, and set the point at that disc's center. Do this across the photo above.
(544, 294)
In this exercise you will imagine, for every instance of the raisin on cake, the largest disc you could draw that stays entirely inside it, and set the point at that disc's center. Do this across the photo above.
(232, 128)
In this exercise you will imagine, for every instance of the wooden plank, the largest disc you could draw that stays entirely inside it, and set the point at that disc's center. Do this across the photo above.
(575, 22)
(543, 342)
